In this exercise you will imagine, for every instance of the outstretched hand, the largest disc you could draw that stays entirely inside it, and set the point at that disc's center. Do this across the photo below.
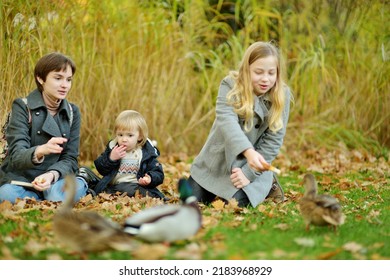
(255, 160)
(53, 146)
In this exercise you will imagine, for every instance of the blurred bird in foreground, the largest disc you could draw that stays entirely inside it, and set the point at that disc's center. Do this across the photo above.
(87, 231)
(319, 210)
(169, 222)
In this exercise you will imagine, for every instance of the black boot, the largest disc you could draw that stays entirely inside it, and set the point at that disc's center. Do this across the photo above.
(89, 176)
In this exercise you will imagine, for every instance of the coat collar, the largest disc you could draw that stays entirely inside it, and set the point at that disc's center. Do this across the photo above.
(260, 107)
(35, 101)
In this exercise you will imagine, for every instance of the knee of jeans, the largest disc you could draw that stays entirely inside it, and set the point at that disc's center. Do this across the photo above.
(82, 188)
(56, 192)
(81, 184)
(6, 193)
(11, 192)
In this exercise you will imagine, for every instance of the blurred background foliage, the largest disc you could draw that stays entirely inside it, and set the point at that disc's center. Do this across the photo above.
(166, 59)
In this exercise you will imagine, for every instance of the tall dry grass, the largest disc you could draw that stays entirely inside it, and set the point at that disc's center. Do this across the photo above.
(166, 59)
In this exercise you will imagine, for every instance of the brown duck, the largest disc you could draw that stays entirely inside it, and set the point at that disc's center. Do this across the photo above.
(87, 231)
(319, 210)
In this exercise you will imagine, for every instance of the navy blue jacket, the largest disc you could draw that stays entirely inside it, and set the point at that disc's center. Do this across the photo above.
(149, 165)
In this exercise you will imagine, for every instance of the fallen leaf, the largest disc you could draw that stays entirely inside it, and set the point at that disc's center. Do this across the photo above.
(218, 204)
(262, 208)
(5, 205)
(305, 242)
(191, 252)
(329, 255)
(151, 251)
(209, 221)
(233, 205)
(352, 247)
(377, 256)
(282, 226)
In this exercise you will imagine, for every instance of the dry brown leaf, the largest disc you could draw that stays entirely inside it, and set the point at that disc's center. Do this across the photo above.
(19, 205)
(6, 253)
(326, 180)
(262, 208)
(209, 221)
(232, 224)
(279, 253)
(352, 247)
(105, 196)
(34, 247)
(373, 217)
(86, 199)
(219, 246)
(329, 255)
(236, 257)
(233, 205)
(218, 204)
(5, 205)
(282, 226)
(377, 245)
(305, 242)
(190, 252)
(316, 168)
(55, 257)
(377, 256)
(151, 251)
(11, 215)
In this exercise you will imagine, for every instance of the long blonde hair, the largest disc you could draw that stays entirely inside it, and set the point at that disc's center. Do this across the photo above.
(241, 96)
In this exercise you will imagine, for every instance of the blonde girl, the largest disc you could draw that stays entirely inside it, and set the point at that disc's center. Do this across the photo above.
(129, 162)
(252, 112)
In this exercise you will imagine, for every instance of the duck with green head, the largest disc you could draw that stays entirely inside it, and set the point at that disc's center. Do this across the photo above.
(169, 222)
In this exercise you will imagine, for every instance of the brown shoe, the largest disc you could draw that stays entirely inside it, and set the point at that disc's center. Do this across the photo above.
(276, 193)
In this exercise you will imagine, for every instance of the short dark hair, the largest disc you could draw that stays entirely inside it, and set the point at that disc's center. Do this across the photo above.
(51, 62)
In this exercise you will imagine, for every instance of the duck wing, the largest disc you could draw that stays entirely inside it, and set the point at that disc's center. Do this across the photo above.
(311, 212)
(331, 209)
(179, 224)
(151, 215)
(86, 231)
(327, 201)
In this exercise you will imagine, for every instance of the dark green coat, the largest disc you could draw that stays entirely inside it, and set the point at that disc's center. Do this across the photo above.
(24, 137)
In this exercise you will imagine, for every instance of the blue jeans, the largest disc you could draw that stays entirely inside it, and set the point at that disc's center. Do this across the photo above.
(54, 193)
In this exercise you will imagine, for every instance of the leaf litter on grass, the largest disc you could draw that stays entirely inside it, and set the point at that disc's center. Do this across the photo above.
(341, 174)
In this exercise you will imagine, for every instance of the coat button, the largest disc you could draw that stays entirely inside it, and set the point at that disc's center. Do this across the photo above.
(64, 134)
(257, 126)
(38, 132)
(37, 113)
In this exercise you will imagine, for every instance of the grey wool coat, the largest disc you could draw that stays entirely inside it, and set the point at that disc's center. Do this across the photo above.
(227, 140)
(23, 138)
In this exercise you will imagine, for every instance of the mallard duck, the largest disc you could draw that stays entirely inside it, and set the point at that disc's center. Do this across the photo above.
(87, 231)
(319, 210)
(169, 222)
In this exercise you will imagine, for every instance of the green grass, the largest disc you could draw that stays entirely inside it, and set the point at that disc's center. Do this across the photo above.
(270, 231)
(166, 59)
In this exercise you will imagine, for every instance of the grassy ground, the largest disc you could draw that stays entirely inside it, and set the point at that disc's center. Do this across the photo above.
(269, 231)
(132, 55)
